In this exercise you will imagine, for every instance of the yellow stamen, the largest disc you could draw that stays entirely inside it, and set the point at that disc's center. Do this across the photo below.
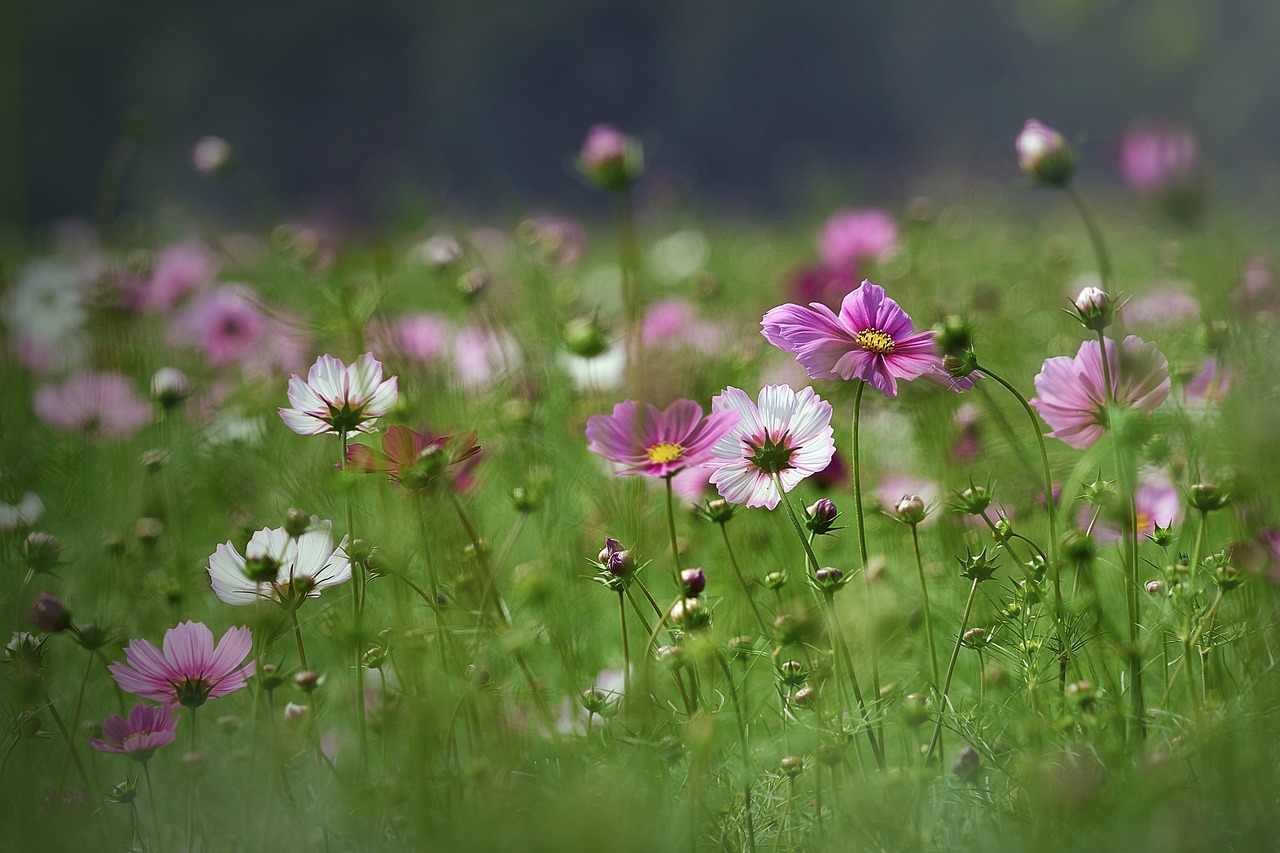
(664, 451)
(875, 341)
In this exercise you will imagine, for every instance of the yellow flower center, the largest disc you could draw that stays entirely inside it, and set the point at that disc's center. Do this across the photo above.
(664, 451)
(876, 341)
(1144, 521)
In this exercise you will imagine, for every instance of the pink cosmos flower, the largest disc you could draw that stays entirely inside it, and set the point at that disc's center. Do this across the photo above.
(787, 434)
(609, 158)
(190, 670)
(675, 323)
(871, 339)
(852, 236)
(1155, 157)
(1156, 500)
(178, 270)
(1072, 399)
(1210, 385)
(481, 356)
(558, 241)
(1168, 303)
(278, 567)
(423, 337)
(148, 728)
(230, 325)
(822, 284)
(339, 399)
(102, 405)
(656, 443)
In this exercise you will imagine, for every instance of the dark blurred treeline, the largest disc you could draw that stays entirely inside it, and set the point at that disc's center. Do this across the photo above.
(369, 109)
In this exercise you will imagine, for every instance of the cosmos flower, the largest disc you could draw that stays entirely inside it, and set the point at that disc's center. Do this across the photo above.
(278, 567)
(656, 443)
(148, 728)
(179, 269)
(852, 236)
(787, 434)
(339, 399)
(190, 670)
(104, 406)
(609, 158)
(416, 459)
(1043, 154)
(870, 339)
(1072, 398)
(1154, 158)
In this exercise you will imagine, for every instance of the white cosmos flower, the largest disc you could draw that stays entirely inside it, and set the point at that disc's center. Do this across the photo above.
(788, 434)
(339, 399)
(304, 566)
(21, 514)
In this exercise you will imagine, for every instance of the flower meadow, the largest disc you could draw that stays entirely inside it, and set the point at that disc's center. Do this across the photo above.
(928, 526)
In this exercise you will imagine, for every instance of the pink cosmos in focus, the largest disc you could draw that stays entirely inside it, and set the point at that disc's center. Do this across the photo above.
(283, 569)
(653, 442)
(1072, 399)
(148, 728)
(190, 670)
(339, 399)
(102, 405)
(1156, 500)
(787, 434)
(871, 339)
(852, 236)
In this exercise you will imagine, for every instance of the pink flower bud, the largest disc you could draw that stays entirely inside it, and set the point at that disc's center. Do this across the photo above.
(1043, 154)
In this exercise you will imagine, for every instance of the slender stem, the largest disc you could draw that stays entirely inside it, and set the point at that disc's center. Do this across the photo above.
(66, 734)
(624, 219)
(928, 617)
(841, 650)
(951, 668)
(191, 790)
(357, 602)
(151, 798)
(746, 754)
(8, 750)
(1095, 236)
(855, 465)
(626, 647)
(733, 560)
(75, 721)
(671, 527)
(297, 633)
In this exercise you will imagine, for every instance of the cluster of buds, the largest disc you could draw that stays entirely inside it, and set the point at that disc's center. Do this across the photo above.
(616, 565)
(829, 580)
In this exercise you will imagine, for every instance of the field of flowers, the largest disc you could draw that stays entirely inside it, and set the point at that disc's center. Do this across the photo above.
(929, 529)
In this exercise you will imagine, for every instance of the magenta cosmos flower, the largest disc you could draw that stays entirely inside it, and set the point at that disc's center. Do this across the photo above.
(1156, 157)
(190, 670)
(871, 339)
(102, 405)
(657, 443)
(1071, 395)
(148, 728)
(852, 236)
(339, 399)
(278, 567)
(787, 433)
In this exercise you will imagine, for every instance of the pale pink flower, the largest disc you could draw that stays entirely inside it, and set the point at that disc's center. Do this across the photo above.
(339, 399)
(852, 236)
(178, 269)
(102, 405)
(148, 728)
(190, 670)
(653, 442)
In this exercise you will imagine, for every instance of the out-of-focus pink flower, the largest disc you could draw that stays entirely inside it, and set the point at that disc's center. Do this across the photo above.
(178, 269)
(1043, 154)
(895, 487)
(339, 399)
(1071, 395)
(1156, 500)
(480, 357)
(190, 670)
(675, 323)
(1157, 157)
(1210, 384)
(225, 323)
(692, 484)
(148, 728)
(1258, 291)
(609, 158)
(824, 284)
(102, 405)
(423, 337)
(653, 442)
(1166, 304)
(852, 236)
(558, 241)
(871, 339)
(786, 435)
(210, 155)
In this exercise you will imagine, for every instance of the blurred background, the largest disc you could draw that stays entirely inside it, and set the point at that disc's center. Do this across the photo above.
(384, 112)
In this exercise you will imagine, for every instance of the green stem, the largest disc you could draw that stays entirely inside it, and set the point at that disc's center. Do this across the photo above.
(733, 560)
(1095, 237)
(746, 754)
(191, 790)
(151, 799)
(671, 527)
(951, 668)
(624, 219)
(626, 647)
(297, 633)
(928, 617)
(75, 720)
(66, 734)
(357, 602)
(855, 464)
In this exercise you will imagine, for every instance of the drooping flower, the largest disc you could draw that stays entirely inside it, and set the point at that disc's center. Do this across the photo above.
(787, 434)
(417, 459)
(339, 399)
(278, 567)
(1071, 395)
(871, 339)
(852, 236)
(190, 670)
(148, 728)
(657, 443)
(1156, 501)
(102, 405)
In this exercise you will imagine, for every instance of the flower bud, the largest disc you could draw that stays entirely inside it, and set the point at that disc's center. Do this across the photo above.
(261, 568)
(775, 581)
(1082, 694)
(955, 338)
(617, 560)
(27, 724)
(91, 637)
(1044, 156)
(820, 516)
(915, 710)
(474, 282)
(975, 638)
(804, 697)
(43, 551)
(1155, 587)
(523, 500)
(296, 713)
(910, 510)
(585, 337)
(269, 676)
(829, 579)
(1162, 536)
(791, 766)
(694, 581)
(792, 672)
(689, 614)
(48, 613)
(595, 700)
(211, 155)
(123, 793)
(1207, 497)
(968, 765)
(1093, 309)
(307, 679)
(148, 529)
(360, 550)
(974, 500)
(719, 511)
(977, 567)
(169, 387)
(296, 522)
(609, 159)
